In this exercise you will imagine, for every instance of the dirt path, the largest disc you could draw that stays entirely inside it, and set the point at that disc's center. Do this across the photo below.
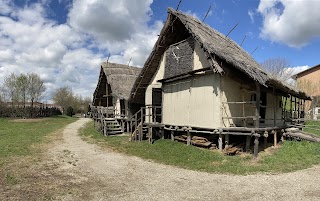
(97, 174)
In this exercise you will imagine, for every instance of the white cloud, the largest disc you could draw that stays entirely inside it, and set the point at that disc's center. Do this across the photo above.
(71, 53)
(294, 23)
(251, 15)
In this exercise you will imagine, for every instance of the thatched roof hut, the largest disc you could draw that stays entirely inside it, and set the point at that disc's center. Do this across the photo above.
(119, 78)
(224, 55)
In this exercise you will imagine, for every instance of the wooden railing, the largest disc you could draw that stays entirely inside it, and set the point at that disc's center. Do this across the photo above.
(148, 114)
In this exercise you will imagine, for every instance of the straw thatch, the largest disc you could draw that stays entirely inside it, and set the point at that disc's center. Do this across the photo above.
(120, 79)
(223, 54)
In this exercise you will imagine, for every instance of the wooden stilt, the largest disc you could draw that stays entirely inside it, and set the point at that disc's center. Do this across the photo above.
(248, 141)
(172, 135)
(150, 134)
(162, 133)
(256, 146)
(105, 129)
(265, 139)
(275, 138)
(220, 142)
(188, 138)
(226, 141)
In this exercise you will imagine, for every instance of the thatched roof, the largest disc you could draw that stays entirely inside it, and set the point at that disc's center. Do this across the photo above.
(223, 54)
(120, 78)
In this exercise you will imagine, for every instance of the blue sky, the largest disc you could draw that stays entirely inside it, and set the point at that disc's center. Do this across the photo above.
(65, 41)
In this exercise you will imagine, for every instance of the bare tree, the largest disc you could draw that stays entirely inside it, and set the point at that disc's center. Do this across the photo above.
(278, 68)
(22, 86)
(36, 88)
(63, 96)
(10, 87)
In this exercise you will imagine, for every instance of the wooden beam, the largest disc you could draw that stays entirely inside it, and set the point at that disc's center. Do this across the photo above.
(258, 94)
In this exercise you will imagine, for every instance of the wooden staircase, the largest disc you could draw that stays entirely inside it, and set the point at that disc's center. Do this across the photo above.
(111, 127)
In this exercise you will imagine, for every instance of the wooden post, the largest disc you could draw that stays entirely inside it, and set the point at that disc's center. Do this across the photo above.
(226, 141)
(274, 107)
(141, 127)
(220, 142)
(172, 135)
(150, 134)
(136, 127)
(265, 139)
(105, 129)
(275, 138)
(243, 111)
(258, 93)
(162, 133)
(256, 146)
(291, 107)
(127, 126)
(188, 138)
(248, 141)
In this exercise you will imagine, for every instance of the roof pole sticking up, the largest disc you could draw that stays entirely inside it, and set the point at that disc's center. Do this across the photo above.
(254, 50)
(178, 5)
(108, 59)
(244, 38)
(232, 29)
(130, 67)
(206, 14)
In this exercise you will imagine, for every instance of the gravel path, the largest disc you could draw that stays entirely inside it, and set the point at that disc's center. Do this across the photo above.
(105, 175)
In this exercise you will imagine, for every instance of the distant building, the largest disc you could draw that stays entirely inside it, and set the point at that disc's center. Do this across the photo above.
(309, 81)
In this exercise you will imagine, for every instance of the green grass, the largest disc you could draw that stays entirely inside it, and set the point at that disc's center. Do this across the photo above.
(313, 127)
(290, 157)
(18, 138)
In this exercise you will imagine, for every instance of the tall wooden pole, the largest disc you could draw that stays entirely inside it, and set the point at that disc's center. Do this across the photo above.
(258, 94)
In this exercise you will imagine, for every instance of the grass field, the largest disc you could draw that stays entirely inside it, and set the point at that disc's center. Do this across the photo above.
(290, 157)
(17, 138)
(313, 127)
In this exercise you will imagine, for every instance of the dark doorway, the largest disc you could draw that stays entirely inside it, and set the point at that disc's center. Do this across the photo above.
(263, 106)
(122, 108)
(157, 101)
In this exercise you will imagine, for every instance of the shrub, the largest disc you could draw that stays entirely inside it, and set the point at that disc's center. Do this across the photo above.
(70, 111)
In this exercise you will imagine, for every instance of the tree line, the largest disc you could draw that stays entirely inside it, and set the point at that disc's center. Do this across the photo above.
(20, 96)
(68, 100)
(20, 93)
